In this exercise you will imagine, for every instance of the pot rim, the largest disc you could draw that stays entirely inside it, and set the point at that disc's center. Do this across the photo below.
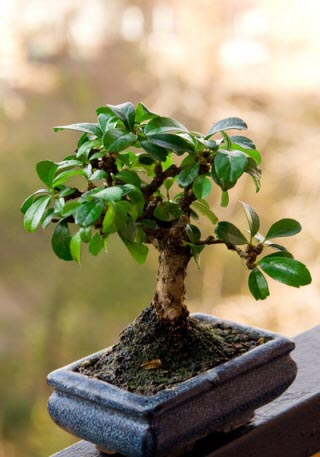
(67, 380)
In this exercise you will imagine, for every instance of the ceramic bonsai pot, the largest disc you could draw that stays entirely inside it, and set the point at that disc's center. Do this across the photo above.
(138, 425)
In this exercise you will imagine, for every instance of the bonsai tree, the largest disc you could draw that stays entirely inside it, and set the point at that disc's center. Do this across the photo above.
(147, 179)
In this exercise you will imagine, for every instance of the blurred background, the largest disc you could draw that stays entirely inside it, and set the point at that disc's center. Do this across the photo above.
(198, 61)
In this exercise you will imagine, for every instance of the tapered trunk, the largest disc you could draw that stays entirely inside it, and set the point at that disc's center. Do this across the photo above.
(170, 290)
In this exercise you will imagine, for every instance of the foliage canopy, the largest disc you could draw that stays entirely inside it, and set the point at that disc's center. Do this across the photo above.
(142, 175)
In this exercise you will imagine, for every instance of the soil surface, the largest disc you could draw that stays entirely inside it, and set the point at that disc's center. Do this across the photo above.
(152, 356)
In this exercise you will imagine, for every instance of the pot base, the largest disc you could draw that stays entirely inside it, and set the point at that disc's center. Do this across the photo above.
(234, 424)
(172, 421)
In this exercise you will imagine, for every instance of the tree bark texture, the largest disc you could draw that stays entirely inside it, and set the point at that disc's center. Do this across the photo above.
(170, 290)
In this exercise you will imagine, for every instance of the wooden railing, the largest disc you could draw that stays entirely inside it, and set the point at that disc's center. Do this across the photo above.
(287, 427)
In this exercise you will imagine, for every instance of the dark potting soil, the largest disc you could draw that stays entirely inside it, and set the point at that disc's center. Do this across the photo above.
(152, 356)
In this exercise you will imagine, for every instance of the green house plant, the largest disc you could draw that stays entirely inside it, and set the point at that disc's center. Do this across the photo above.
(147, 178)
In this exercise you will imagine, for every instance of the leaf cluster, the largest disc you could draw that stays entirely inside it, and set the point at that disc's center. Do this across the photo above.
(147, 178)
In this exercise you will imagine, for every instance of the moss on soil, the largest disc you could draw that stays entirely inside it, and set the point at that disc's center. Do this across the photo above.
(152, 355)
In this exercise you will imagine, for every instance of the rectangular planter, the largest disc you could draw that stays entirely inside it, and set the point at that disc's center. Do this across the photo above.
(138, 425)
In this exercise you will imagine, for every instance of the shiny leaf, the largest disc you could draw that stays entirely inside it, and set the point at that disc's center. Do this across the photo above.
(46, 171)
(60, 241)
(75, 247)
(230, 233)
(203, 207)
(88, 213)
(93, 129)
(171, 141)
(229, 166)
(125, 112)
(202, 186)
(163, 125)
(258, 285)
(34, 213)
(188, 174)
(283, 228)
(286, 270)
(253, 218)
(226, 124)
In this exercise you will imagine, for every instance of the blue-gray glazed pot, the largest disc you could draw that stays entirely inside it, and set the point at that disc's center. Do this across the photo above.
(150, 426)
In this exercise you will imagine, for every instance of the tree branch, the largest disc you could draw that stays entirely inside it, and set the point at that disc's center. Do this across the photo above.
(158, 180)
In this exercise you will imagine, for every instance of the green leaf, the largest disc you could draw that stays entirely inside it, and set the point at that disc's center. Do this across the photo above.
(226, 124)
(279, 254)
(108, 224)
(69, 163)
(210, 144)
(98, 175)
(64, 177)
(66, 191)
(286, 270)
(85, 149)
(255, 172)
(164, 125)
(168, 183)
(203, 207)
(196, 251)
(93, 129)
(138, 251)
(110, 194)
(129, 177)
(226, 141)
(143, 113)
(156, 152)
(58, 205)
(224, 199)
(253, 153)
(188, 161)
(167, 211)
(258, 285)
(29, 200)
(282, 228)
(96, 244)
(84, 137)
(136, 197)
(229, 166)
(75, 247)
(127, 158)
(125, 112)
(46, 171)
(88, 213)
(171, 141)
(70, 208)
(202, 186)
(193, 233)
(243, 141)
(61, 241)
(128, 231)
(253, 218)
(116, 140)
(145, 159)
(229, 233)
(85, 234)
(188, 174)
(47, 217)
(34, 213)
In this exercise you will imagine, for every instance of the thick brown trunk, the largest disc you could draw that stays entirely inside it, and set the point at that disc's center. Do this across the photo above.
(170, 290)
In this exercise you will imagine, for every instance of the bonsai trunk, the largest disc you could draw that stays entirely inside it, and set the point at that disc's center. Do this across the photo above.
(170, 289)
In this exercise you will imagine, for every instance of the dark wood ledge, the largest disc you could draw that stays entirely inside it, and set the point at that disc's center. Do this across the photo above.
(289, 426)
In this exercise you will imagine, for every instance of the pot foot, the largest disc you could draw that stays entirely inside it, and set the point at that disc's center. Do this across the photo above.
(240, 421)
